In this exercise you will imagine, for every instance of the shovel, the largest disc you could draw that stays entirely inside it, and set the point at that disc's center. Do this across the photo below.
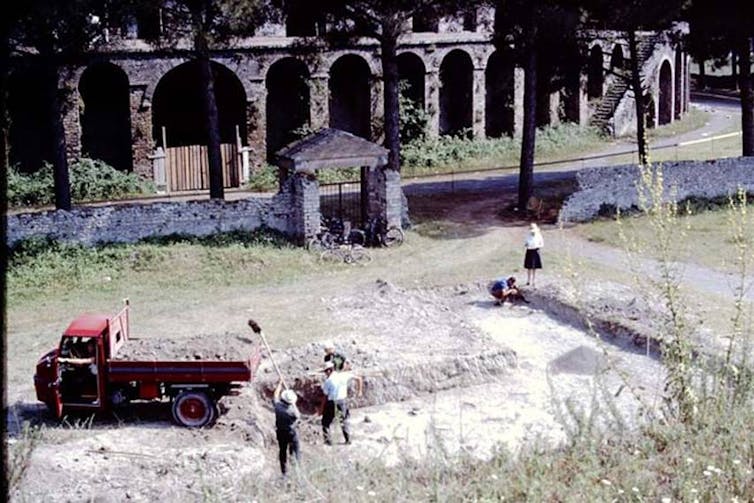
(258, 330)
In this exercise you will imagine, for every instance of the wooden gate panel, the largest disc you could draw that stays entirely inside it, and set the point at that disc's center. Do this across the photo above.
(187, 168)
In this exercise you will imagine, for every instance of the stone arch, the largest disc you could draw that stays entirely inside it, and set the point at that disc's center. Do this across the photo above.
(456, 92)
(571, 93)
(287, 101)
(650, 113)
(106, 115)
(678, 94)
(595, 72)
(617, 61)
(665, 101)
(411, 70)
(350, 95)
(499, 97)
(178, 105)
(30, 134)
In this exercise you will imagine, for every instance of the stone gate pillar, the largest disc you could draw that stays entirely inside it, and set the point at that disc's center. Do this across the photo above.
(69, 103)
(384, 195)
(319, 96)
(478, 103)
(304, 218)
(256, 122)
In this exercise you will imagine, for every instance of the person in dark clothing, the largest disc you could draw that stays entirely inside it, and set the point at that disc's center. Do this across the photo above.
(338, 360)
(504, 289)
(286, 417)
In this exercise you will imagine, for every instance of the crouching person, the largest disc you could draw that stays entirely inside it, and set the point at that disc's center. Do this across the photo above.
(286, 417)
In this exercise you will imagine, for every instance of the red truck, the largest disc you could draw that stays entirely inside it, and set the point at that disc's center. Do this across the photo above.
(82, 374)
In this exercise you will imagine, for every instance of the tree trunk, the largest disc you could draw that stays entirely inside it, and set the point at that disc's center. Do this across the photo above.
(702, 75)
(216, 185)
(641, 136)
(60, 158)
(734, 69)
(200, 20)
(529, 133)
(747, 95)
(392, 114)
(4, 116)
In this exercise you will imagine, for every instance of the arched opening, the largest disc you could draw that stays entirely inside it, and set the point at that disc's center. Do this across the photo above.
(456, 86)
(411, 73)
(571, 90)
(179, 106)
(499, 105)
(106, 115)
(350, 95)
(595, 74)
(665, 102)
(616, 58)
(30, 135)
(679, 89)
(287, 102)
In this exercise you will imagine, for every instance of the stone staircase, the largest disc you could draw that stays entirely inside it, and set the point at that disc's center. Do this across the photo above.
(604, 111)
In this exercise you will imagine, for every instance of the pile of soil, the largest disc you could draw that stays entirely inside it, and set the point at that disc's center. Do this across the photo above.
(225, 347)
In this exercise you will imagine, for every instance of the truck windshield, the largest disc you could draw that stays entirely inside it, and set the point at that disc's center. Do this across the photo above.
(77, 347)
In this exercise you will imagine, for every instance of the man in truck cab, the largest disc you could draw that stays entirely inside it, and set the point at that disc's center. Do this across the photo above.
(80, 375)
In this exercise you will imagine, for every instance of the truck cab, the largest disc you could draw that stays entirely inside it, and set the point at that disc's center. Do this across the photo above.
(74, 375)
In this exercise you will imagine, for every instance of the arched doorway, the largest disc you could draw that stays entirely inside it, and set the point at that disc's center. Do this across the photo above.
(178, 106)
(665, 102)
(596, 76)
(499, 106)
(350, 95)
(411, 73)
(456, 86)
(287, 102)
(106, 115)
(30, 134)
(617, 61)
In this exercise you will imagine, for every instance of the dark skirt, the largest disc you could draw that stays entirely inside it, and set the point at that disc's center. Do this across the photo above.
(532, 260)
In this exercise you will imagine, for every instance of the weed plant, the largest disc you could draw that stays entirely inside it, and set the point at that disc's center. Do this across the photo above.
(90, 180)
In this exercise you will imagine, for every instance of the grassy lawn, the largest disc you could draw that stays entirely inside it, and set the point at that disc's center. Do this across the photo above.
(706, 239)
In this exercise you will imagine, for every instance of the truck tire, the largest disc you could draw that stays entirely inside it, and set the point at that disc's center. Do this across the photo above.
(193, 409)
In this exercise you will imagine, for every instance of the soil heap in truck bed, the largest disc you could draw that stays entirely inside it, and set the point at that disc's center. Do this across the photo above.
(224, 347)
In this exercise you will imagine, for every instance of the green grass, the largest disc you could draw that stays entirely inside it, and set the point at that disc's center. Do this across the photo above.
(706, 240)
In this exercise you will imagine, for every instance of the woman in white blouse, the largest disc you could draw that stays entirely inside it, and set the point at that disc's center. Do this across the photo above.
(532, 260)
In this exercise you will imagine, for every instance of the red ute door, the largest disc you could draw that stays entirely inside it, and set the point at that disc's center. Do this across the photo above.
(56, 401)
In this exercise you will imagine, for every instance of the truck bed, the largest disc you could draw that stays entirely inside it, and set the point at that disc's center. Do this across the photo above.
(217, 347)
(177, 372)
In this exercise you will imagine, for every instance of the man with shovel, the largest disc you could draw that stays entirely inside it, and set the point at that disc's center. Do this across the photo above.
(335, 388)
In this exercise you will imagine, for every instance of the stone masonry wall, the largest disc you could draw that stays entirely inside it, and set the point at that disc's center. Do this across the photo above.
(616, 186)
(128, 223)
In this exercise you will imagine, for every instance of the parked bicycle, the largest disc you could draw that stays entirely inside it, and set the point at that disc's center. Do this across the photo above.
(350, 254)
(335, 232)
(379, 234)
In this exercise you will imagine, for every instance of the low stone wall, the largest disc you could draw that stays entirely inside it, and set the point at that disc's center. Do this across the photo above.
(615, 187)
(128, 223)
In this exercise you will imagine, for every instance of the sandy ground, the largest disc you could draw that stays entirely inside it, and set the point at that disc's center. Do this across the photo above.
(507, 401)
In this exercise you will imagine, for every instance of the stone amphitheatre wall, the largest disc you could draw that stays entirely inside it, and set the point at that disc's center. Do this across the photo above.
(615, 187)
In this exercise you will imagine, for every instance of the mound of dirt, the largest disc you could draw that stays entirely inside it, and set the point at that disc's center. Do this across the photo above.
(226, 347)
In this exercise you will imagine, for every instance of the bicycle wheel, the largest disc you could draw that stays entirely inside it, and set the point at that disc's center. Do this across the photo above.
(358, 256)
(332, 256)
(315, 245)
(357, 237)
(393, 237)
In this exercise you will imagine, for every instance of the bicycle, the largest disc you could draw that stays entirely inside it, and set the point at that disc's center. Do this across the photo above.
(349, 254)
(379, 234)
(334, 232)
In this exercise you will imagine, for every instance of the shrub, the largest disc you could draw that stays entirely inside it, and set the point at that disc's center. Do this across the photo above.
(90, 180)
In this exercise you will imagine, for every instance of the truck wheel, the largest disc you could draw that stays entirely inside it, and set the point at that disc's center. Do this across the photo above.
(193, 409)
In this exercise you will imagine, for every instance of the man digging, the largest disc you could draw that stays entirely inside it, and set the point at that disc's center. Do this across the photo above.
(335, 388)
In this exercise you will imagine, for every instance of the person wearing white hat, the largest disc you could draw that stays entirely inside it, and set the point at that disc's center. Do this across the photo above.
(286, 417)
(335, 389)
